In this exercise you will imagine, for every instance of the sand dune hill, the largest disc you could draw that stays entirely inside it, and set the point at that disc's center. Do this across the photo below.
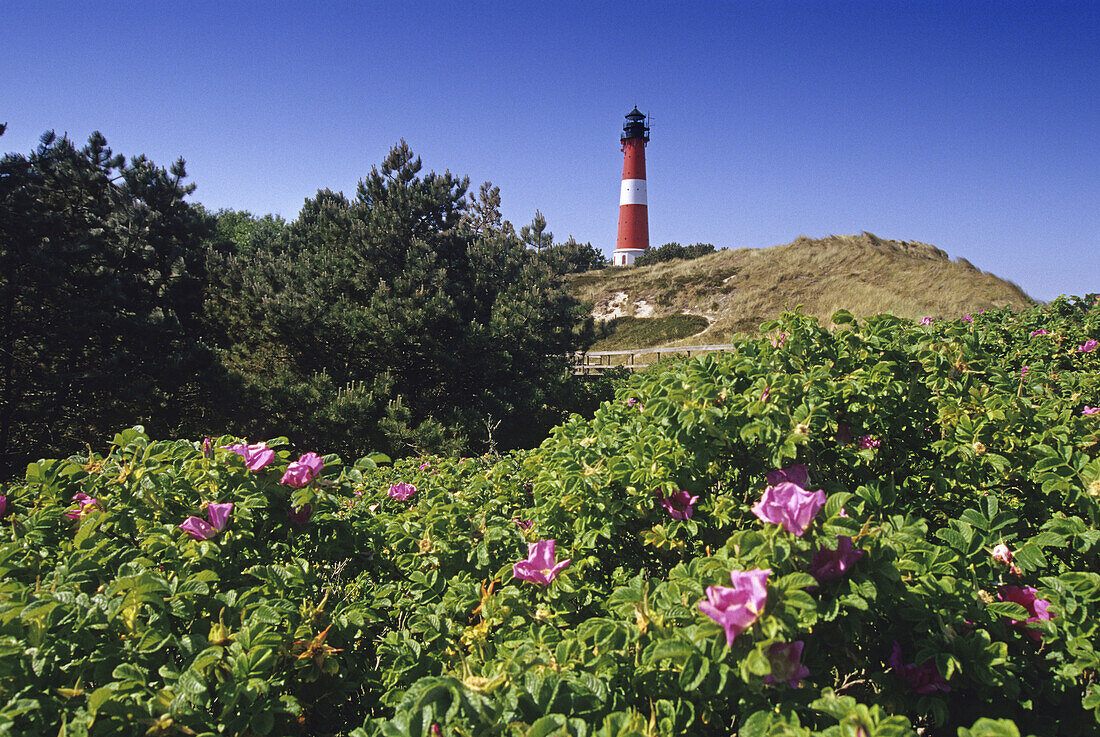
(736, 290)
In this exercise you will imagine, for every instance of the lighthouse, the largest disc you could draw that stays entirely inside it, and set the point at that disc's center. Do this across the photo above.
(633, 212)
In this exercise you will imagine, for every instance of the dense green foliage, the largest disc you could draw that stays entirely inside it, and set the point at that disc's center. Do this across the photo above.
(670, 251)
(562, 258)
(383, 616)
(572, 257)
(361, 323)
(101, 284)
(410, 316)
(642, 332)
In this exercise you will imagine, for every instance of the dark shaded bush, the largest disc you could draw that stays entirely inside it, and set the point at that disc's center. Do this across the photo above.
(670, 251)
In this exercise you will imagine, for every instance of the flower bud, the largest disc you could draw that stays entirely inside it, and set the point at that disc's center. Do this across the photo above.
(1002, 554)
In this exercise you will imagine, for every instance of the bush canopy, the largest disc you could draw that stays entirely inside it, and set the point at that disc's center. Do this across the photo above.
(887, 529)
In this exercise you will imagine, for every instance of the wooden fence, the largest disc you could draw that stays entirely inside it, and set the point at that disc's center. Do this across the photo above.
(637, 358)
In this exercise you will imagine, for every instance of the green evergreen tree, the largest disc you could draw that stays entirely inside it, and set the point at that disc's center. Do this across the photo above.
(536, 235)
(571, 257)
(389, 322)
(482, 216)
(670, 251)
(101, 283)
(240, 232)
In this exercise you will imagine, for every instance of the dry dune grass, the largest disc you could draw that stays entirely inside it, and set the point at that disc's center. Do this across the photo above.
(739, 289)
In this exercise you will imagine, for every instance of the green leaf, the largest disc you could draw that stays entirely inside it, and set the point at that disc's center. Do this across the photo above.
(843, 317)
(695, 671)
(265, 614)
(953, 538)
(130, 672)
(670, 648)
(757, 662)
(547, 725)
(797, 580)
(263, 722)
(1008, 609)
(835, 502)
(991, 728)
(191, 683)
(99, 697)
(756, 725)
(1048, 539)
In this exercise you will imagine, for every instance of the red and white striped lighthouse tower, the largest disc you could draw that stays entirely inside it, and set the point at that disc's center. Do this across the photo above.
(633, 211)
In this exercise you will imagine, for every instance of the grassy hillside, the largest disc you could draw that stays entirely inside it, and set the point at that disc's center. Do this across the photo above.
(736, 290)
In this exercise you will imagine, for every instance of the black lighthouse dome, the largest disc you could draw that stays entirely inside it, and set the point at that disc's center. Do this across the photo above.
(635, 126)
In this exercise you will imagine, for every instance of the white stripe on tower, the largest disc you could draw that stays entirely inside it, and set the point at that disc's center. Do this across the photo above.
(632, 192)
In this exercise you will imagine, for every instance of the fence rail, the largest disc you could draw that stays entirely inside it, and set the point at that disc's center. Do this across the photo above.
(596, 361)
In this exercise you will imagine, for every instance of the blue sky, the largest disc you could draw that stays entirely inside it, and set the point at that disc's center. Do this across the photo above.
(973, 126)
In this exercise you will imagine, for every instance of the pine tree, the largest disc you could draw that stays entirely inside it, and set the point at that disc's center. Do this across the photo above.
(101, 280)
(390, 322)
(571, 257)
(536, 235)
(482, 216)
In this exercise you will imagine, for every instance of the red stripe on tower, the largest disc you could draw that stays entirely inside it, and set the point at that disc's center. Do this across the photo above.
(633, 208)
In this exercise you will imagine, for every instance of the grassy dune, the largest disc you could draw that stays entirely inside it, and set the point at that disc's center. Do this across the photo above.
(736, 290)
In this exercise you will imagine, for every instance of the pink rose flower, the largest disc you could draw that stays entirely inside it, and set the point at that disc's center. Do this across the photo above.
(302, 471)
(867, 442)
(87, 504)
(923, 679)
(1036, 333)
(256, 457)
(219, 515)
(199, 529)
(786, 662)
(1038, 609)
(402, 491)
(829, 565)
(797, 474)
(540, 566)
(679, 505)
(301, 515)
(1088, 346)
(1089, 411)
(968, 318)
(789, 505)
(737, 607)
(926, 321)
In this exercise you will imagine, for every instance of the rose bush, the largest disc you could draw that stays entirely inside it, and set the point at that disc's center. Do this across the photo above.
(944, 580)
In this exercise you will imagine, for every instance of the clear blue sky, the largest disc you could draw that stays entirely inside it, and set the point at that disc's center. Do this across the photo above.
(973, 126)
